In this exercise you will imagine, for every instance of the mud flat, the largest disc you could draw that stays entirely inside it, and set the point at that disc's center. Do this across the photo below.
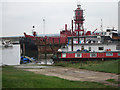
(76, 74)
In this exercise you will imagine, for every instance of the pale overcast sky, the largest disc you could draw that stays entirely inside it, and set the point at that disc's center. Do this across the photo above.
(19, 17)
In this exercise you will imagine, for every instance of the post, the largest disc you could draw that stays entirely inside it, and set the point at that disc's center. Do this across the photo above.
(39, 52)
(53, 46)
(78, 37)
(84, 39)
(102, 59)
(45, 53)
(24, 50)
(72, 26)
(65, 27)
(72, 44)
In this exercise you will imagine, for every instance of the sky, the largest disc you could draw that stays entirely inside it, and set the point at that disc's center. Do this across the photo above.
(19, 17)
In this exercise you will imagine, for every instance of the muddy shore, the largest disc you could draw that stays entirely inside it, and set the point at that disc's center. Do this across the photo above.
(74, 74)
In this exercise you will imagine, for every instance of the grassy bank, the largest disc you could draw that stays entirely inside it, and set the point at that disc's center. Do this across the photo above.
(0, 77)
(16, 78)
(113, 81)
(104, 66)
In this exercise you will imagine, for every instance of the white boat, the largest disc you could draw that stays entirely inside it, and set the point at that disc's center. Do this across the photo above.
(7, 43)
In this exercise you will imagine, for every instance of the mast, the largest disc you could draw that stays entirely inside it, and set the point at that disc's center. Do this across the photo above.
(101, 26)
(44, 26)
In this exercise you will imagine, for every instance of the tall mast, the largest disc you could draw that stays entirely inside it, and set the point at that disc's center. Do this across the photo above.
(101, 26)
(44, 26)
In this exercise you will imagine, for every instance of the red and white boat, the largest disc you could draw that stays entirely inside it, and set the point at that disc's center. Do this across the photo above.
(77, 43)
(83, 45)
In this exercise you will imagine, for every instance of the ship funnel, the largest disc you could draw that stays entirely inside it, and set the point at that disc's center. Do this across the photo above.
(33, 31)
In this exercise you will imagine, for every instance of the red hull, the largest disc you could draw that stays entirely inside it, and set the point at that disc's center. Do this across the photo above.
(91, 55)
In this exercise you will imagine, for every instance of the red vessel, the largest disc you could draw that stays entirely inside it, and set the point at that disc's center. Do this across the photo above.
(77, 43)
(79, 30)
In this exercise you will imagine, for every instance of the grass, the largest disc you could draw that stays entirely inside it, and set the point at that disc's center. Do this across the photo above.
(17, 78)
(113, 81)
(0, 77)
(103, 66)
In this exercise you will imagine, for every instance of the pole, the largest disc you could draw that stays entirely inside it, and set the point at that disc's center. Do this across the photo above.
(72, 26)
(45, 53)
(44, 27)
(65, 27)
(101, 27)
(78, 37)
(24, 50)
(39, 53)
(84, 39)
(72, 44)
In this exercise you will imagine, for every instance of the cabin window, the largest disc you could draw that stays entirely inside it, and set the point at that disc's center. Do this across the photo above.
(110, 33)
(76, 33)
(78, 55)
(118, 54)
(100, 48)
(89, 48)
(75, 40)
(93, 55)
(109, 54)
(64, 55)
(69, 41)
(105, 33)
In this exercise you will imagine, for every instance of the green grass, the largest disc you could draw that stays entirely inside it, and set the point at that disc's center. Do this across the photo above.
(103, 66)
(17, 78)
(113, 81)
(0, 77)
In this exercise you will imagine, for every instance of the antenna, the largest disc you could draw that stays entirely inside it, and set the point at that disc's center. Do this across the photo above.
(101, 26)
(44, 26)
(78, 4)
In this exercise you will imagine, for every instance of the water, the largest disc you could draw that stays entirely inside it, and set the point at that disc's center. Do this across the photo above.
(0, 56)
(10, 55)
(46, 61)
(39, 59)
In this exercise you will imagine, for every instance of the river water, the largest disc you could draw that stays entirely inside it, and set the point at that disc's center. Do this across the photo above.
(12, 56)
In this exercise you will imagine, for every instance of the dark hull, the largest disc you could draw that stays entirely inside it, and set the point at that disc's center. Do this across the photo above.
(30, 45)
